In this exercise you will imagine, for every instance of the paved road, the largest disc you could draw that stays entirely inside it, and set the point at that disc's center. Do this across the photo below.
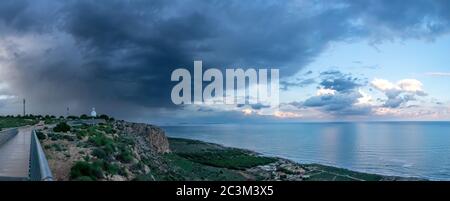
(15, 156)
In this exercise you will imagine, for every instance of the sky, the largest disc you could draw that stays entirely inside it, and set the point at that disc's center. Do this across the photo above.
(373, 60)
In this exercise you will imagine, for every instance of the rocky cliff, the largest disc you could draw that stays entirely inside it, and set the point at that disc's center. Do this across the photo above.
(149, 137)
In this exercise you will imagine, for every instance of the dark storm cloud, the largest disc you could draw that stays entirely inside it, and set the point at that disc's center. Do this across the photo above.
(120, 54)
(18, 16)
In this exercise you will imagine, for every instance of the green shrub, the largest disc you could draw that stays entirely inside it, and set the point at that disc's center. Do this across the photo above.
(98, 139)
(105, 146)
(68, 138)
(109, 148)
(40, 135)
(81, 133)
(54, 136)
(126, 140)
(107, 129)
(99, 153)
(62, 127)
(84, 170)
(92, 171)
(125, 155)
(58, 147)
(109, 168)
(112, 168)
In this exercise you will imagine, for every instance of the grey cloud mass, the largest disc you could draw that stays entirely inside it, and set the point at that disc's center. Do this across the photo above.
(399, 95)
(118, 55)
(344, 97)
(338, 104)
(340, 82)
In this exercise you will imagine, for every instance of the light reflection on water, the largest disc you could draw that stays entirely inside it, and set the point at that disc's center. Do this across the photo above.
(418, 149)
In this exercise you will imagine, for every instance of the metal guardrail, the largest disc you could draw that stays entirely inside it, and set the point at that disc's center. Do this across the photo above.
(7, 134)
(39, 169)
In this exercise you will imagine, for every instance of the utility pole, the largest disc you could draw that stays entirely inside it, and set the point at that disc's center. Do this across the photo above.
(24, 107)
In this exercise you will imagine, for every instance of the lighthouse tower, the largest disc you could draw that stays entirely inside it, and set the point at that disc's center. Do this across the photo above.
(93, 115)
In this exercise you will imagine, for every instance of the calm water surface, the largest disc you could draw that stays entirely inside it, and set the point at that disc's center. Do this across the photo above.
(416, 149)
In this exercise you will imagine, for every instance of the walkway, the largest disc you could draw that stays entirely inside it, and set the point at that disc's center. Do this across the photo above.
(15, 156)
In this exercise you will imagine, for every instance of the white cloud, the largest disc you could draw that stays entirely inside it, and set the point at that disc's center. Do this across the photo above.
(383, 85)
(410, 85)
(325, 92)
(405, 85)
(247, 111)
(382, 111)
(5, 92)
(365, 98)
(286, 115)
(400, 93)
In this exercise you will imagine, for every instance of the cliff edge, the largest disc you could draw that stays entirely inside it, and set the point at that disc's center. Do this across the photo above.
(149, 137)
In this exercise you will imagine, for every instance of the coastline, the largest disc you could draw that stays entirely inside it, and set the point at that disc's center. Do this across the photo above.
(125, 151)
(281, 169)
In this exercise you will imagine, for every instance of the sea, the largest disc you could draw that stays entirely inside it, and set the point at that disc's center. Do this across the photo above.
(407, 149)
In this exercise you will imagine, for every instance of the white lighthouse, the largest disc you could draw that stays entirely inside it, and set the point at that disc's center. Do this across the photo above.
(93, 113)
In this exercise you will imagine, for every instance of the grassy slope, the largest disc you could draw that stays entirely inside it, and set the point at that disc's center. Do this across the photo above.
(217, 156)
(194, 160)
(12, 122)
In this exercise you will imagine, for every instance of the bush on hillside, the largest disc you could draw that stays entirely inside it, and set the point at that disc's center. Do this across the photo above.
(62, 127)
(84, 170)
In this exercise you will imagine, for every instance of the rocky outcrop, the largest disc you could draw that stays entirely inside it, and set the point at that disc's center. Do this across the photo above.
(148, 137)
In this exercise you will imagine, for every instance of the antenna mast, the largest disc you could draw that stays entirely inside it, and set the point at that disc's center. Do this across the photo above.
(24, 107)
